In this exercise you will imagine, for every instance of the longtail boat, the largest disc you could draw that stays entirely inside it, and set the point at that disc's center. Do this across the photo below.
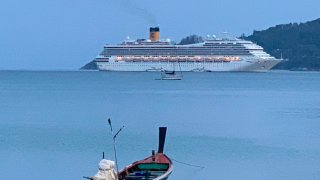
(156, 167)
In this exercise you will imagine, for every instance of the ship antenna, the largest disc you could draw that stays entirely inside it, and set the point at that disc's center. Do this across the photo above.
(114, 142)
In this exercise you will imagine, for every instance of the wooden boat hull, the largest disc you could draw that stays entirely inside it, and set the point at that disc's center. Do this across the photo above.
(155, 167)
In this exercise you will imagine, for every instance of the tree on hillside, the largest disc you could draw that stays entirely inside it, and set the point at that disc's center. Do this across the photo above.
(192, 39)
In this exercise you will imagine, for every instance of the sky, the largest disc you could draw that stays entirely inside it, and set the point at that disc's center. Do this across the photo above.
(64, 35)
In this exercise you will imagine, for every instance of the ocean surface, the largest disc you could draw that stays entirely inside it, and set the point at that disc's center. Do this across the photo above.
(250, 126)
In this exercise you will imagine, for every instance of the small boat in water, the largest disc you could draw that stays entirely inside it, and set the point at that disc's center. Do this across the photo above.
(158, 166)
(154, 69)
(170, 76)
(200, 70)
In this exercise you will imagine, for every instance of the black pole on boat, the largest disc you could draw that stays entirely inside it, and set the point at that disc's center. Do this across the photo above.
(114, 143)
(162, 138)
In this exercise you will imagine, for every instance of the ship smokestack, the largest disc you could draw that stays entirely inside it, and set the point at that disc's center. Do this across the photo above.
(154, 34)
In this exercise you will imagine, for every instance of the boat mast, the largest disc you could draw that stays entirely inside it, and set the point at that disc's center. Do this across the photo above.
(114, 143)
(162, 138)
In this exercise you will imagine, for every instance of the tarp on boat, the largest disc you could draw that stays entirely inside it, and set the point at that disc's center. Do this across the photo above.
(106, 171)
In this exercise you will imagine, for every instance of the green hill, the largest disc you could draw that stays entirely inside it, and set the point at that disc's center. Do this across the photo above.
(89, 66)
(299, 43)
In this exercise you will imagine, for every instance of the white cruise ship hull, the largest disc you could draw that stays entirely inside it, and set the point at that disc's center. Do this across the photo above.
(161, 55)
(250, 65)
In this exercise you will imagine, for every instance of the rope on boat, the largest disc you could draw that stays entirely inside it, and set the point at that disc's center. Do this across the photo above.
(187, 164)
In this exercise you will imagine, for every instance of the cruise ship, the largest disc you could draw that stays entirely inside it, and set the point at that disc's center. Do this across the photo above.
(214, 54)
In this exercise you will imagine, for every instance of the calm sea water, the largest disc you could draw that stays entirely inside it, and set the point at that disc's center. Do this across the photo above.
(53, 125)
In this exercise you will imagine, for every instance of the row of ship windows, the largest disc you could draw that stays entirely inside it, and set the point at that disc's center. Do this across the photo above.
(222, 43)
(169, 56)
(148, 65)
(174, 48)
(176, 54)
(178, 50)
(171, 52)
